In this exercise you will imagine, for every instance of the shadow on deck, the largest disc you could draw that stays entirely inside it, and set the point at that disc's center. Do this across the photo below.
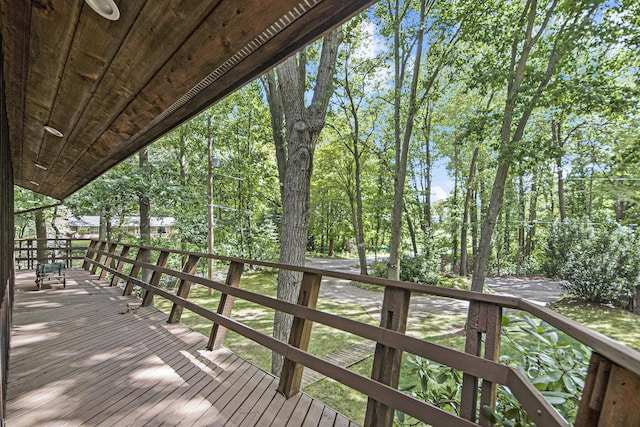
(82, 355)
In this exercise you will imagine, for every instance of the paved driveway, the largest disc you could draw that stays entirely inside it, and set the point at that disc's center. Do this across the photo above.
(536, 289)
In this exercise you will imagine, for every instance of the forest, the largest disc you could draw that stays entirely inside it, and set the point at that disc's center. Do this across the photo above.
(462, 137)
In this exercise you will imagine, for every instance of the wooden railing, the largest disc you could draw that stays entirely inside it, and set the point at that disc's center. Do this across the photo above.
(28, 252)
(610, 396)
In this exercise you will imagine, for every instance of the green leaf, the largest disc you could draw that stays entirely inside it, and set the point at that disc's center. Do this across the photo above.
(569, 384)
(505, 320)
(490, 414)
(551, 377)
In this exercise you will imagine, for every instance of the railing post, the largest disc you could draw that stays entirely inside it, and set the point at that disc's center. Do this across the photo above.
(90, 254)
(606, 395)
(147, 298)
(120, 264)
(29, 254)
(107, 262)
(387, 360)
(67, 251)
(291, 375)
(94, 268)
(216, 338)
(482, 318)
(184, 286)
(135, 270)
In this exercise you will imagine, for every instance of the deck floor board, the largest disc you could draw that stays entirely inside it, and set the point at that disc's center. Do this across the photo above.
(85, 356)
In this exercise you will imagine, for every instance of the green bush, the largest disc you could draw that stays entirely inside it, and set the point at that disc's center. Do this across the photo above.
(418, 269)
(555, 365)
(599, 263)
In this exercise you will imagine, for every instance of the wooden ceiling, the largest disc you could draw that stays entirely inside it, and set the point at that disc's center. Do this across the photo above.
(113, 87)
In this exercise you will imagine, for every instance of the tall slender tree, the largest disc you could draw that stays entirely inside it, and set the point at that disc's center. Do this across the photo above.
(543, 33)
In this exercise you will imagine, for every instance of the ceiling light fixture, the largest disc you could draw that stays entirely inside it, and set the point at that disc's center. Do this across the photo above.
(108, 9)
(35, 183)
(53, 131)
(39, 166)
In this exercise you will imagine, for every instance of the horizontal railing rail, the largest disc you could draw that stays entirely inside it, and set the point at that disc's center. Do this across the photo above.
(479, 363)
(28, 252)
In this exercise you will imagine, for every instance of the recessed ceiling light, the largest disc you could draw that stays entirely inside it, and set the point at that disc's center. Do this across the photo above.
(35, 183)
(108, 9)
(53, 131)
(39, 166)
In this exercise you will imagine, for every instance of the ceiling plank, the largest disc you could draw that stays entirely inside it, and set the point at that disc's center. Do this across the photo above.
(16, 16)
(93, 48)
(53, 24)
(113, 87)
(312, 25)
(160, 29)
(220, 36)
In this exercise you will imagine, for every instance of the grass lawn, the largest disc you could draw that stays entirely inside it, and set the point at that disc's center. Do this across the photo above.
(618, 324)
(325, 340)
(442, 329)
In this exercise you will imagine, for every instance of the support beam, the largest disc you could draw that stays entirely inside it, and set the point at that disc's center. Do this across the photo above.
(291, 376)
(90, 254)
(120, 264)
(184, 286)
(606, 395)
(7, 236)
(135, 270)
(147, 298)
(98, 257)
(483, 318)
(225, 306)
(107, 262)
(388, 360)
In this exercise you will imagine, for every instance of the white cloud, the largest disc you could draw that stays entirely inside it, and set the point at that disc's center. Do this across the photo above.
(438, 193)
(373, 42)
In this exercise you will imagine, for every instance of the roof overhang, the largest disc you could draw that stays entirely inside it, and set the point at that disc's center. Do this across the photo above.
(113, 87)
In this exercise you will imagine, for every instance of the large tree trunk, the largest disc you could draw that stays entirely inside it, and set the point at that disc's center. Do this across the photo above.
(56, 230)
(102, 228)
(362, 250)
(412, 231)
(210, 210)
(145, 211)
(455, 262)
(465, 213)
(474, 223)
(521, 224)
(41, 233)
(533, 205)
(427, 190)
(402, 137)
(556, 135)
(295, 145)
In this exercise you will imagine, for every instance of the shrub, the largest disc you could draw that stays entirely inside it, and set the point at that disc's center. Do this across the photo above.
(554, 365)
(418, 269)
(600, 264)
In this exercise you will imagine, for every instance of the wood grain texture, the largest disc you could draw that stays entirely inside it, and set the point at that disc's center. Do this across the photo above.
(103, 83)
(77, 358)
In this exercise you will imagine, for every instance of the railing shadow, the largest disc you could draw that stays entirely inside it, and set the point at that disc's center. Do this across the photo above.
(614, 369)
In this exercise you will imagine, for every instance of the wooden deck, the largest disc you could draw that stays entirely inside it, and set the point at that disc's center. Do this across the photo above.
(79, 356)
